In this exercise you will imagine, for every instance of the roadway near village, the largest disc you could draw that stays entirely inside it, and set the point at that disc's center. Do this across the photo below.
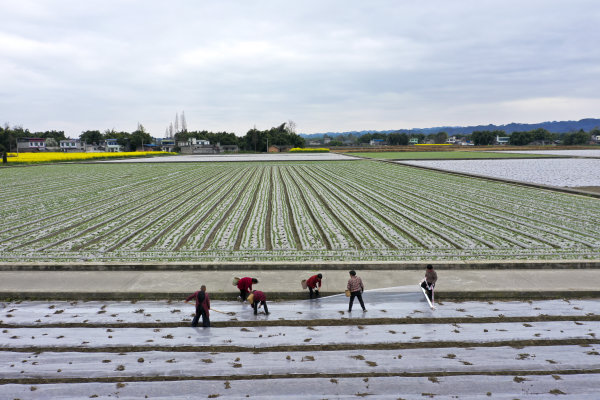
(97, 258)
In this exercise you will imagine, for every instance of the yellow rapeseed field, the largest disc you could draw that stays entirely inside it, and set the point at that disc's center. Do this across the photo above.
(53, 157)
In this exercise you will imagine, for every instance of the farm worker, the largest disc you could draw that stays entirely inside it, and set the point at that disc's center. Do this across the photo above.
(356, 287)
(245, 286)
(429, 282)
(258, 296)
(202, 307)
(312, 283)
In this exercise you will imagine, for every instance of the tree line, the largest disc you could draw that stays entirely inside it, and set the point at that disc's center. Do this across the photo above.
(129, 141)
(478, 138)
(285, 135)
(254, 140)
(9, 136)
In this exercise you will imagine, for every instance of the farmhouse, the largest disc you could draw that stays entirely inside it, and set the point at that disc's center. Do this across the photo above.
(31, 144)
(166, 144)
(72, 145)
(502, 139)
(377, 142)
(197, 146)
(112, 146)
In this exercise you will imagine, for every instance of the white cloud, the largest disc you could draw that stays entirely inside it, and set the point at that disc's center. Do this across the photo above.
(335, 65)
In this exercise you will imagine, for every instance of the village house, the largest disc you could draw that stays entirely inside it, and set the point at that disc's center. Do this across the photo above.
(502, 140)
(167, 144)
(25, 145)
(112, 146)
(72, 145)
(377, 142)
(197, 146)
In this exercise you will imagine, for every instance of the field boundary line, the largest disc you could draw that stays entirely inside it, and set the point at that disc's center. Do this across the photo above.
(303, 348)
(424, 374)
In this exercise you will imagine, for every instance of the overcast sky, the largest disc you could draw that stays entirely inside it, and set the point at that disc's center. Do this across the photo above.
(327, 65)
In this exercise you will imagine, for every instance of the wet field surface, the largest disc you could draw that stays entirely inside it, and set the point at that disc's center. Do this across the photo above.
(304, 349)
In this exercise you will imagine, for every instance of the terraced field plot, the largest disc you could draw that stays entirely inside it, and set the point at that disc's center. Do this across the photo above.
(339, 210)
(303, 349)
(443, 155)
(560, 172)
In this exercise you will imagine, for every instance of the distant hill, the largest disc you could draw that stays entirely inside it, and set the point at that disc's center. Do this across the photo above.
(552, 126)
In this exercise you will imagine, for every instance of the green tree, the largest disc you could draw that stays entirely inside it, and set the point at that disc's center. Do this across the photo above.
(56, 135)
(542, 135)
(91, 137)
(123, 138)
(440, 137)
(484, 138)
(9, 136)
(576, 138)
(139, 137)
(520, 138)
(398, 139)
(257, 140)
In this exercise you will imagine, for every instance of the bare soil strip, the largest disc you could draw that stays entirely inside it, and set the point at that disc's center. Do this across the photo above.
(307, 347)
(30, 381)
(314, 322)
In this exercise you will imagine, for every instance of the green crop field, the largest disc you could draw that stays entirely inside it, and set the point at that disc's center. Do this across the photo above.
(295, 211)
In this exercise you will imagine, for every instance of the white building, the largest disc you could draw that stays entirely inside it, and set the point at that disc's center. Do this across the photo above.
(502, 139)
(197, 146)
(194, 142)
(112, 146)
(31, 144)
(72, 145)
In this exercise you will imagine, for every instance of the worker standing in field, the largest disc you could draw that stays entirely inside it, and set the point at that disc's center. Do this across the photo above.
(245, 287)
(256, 297)
(429, 282)
(356, 287)
(314, 285)
(202, 307)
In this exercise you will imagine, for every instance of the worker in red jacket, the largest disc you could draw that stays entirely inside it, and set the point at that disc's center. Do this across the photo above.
(314, 284)
(245, 286)
(202, 307)
(258, 296)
